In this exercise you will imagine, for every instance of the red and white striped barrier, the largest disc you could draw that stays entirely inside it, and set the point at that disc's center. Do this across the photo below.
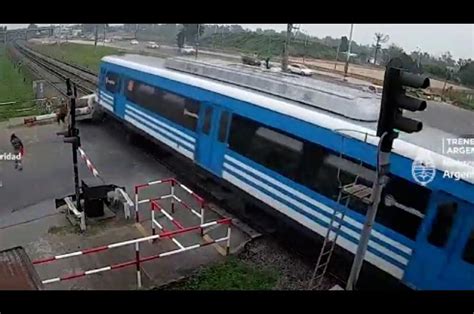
(137, 261)
(173, 184)
(89, 163)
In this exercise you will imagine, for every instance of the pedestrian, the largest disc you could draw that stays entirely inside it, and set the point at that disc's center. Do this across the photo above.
(18, 150)
(61, 114)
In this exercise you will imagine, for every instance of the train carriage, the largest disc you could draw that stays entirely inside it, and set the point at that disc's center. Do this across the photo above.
(294, 158)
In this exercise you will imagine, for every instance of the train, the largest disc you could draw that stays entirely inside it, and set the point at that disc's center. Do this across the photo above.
(294, 158)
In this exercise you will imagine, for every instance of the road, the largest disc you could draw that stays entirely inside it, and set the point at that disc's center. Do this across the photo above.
(48, 171)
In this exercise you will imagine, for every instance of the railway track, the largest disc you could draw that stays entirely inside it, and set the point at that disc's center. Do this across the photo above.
(84, 79)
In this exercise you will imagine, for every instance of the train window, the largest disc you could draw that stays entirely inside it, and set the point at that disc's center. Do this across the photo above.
(402, 211)
(468, 254)
(223, 126)
(273, 149)
(442, 224)
(111, 82)
(176, 108)
(207, 120)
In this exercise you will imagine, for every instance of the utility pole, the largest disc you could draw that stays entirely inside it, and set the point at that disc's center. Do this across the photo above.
(394, 101)
(346, 67)
(284, 60)
(105, 32)
(337, 54)
(197, 41)
(96, 34)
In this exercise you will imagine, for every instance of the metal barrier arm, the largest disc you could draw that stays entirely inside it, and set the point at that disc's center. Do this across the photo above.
(127, 201)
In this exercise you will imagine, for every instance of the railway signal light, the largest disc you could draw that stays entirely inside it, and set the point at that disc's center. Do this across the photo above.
(394, 101)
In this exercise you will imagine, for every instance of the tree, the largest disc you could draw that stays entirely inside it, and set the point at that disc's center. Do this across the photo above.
(344, 45)
(466, 73)
(447, 58)
(32, 26)
(180, 39)
(379, 40)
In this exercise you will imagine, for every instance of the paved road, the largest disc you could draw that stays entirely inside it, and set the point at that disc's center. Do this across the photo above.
(48, 171)
(449, 118)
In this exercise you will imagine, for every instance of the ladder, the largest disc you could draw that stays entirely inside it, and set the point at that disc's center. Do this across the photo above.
(346, 192)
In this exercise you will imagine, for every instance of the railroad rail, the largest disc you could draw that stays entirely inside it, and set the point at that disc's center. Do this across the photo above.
(85, 79)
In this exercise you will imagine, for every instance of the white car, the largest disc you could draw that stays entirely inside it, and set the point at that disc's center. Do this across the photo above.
(152, 45)
(134, 42)
(188, 50)
(107, 41)
(300, 69)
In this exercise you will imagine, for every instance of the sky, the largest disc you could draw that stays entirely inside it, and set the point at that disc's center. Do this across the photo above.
(432, 38)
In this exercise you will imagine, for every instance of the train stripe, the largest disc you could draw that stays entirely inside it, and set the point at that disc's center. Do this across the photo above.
(162, 124)
(163, 139)
(313, 225)
(317, 204)
(315, 215)
(106, 105)
(158, 129)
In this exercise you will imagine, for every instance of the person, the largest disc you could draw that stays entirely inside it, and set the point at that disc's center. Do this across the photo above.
(18, 149)
(62, 112)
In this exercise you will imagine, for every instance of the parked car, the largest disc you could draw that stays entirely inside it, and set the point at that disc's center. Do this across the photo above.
(152, 45)
(134, 42)
(300, 69)
(107, 40)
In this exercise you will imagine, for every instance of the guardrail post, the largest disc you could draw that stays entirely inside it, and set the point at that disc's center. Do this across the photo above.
(137, 259)
(227, 248)
(136, 205)
(172, 196)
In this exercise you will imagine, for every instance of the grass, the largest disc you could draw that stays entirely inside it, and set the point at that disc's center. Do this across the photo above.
(14, 87)
(84, 55)
(233, 274)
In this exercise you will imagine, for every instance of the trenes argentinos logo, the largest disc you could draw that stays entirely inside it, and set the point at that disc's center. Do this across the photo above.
(423, 169)
(10, 156)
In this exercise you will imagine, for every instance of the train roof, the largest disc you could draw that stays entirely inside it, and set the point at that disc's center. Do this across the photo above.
(425, 144)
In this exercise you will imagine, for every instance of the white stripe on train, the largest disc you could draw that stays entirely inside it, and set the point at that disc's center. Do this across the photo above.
(313, 212)
(308, 223)
(163, 139)
(322, 206)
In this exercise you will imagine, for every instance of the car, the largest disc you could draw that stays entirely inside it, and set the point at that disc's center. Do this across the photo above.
(188, 50)
(134, 42)
(152, 45)
(107, 40)
(300, 69)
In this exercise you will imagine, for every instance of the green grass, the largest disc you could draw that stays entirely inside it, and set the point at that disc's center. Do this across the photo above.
(14, 88)
(85, 55)
(231, 275)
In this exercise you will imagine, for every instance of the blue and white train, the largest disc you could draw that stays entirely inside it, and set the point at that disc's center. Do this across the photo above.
(292, 158)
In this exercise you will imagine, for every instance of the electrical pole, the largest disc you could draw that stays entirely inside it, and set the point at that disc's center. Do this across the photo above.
(284, 60)
(337, 54)
(197, 40)
(96, 34)
(394, 101)
(346, 67)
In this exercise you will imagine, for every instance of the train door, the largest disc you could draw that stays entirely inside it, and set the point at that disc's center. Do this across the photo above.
(436, 263)
(212, 137)
(111, 96)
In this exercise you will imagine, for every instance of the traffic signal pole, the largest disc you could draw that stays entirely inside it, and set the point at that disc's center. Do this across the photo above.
(383, 164)
(391, 121)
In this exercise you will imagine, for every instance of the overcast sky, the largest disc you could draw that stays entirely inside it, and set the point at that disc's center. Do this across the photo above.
(432, 38)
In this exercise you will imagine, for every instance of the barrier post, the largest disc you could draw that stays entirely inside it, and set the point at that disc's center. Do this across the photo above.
(137, 260)
(227, 248)
(136, 205)
(172, 196)
(153, 231)
(202, 217)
